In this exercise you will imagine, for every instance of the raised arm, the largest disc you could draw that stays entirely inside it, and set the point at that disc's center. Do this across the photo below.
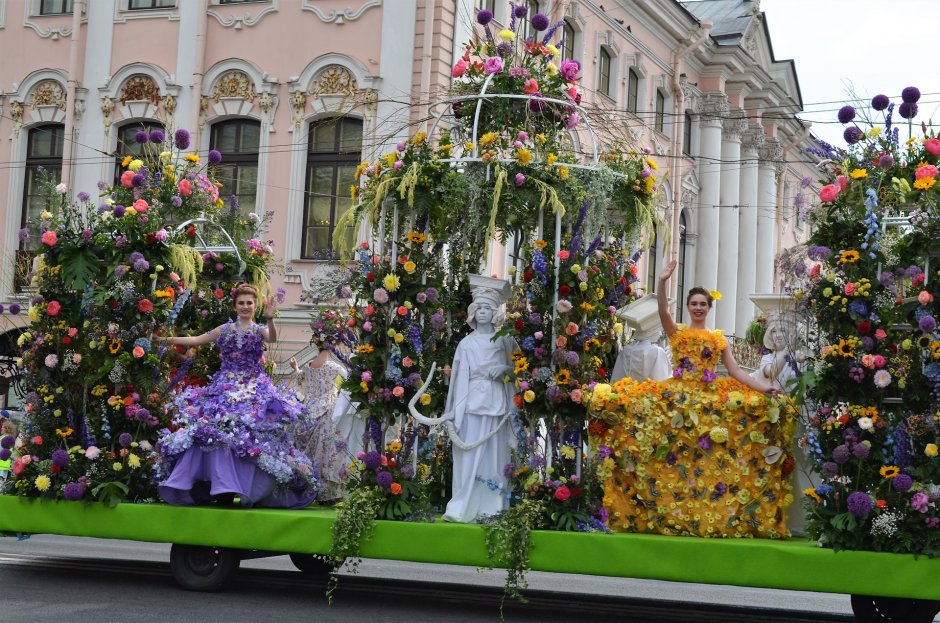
(662, 298)
(191, 340)
(269, 333)
(731, 365)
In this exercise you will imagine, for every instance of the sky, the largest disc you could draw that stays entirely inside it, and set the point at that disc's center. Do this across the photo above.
(875, 46)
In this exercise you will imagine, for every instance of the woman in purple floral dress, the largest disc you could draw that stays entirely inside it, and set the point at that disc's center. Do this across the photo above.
(232, 438)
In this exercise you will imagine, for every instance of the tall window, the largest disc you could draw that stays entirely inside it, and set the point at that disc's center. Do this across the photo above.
(135, 5)
(651, 264)
(680, 268)
(237, 140)
(127, 144)
(489, 5)
(633, 89)
(687, 134)
(43, 163)
(603, 78)
(567, 51)
(660, 120)
(334, 147)
(55, 7)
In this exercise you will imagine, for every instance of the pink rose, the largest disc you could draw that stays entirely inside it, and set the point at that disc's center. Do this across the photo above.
(520, 179)
(561, 341)
(925, 297)
(49, 238)
(18, 467)
(538, 335)
(880, 361)
(849, 288)
(367, 326)
(576, 395)
(530, 87)
(880, 334)
(185, 188)
(141, 206)
(843, 181)
(562, 493)
(925, 170)
(932, 145)
(399, 391)
(53, 308)
(92, 452)
(572, 328)
(493, 65)
(127, 179)
(564, 255)
(407, 362)
(460, 68)
(138, 352)
(828, 193)
(868, 361)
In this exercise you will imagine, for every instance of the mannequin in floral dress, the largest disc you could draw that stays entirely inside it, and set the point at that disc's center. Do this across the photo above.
(696, 454)
(315, 432)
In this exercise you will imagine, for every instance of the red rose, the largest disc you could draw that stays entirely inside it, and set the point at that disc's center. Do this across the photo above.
(562, 493)
(602, 372)
(527, 275)
(218, 293)
(66, 340)
(564, 290)
(145, 306)
(864, 327)
(576, 492)
(55, 469)
(893, 348)
(370, 276)
(190, 231)
(518, 324)
(112, 303)
(151, 238)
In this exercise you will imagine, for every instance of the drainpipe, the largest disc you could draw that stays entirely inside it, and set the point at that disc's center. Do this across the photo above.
(199, 71)
(70, 89)
(428, 49)
(783, 159)
(677, 133)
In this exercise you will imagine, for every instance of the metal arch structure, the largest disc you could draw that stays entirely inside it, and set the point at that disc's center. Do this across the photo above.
(207, 248)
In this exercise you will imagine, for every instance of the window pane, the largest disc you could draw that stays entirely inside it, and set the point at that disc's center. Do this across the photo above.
(251, 137)
(225, 137)
(352, 137)
(568, 51)
(45, 142)
(320, 197)
(317, 239)
(55, 7)
(324, 137)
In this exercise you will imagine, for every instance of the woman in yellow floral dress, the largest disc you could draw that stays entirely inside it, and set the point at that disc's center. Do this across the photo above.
(696, 454)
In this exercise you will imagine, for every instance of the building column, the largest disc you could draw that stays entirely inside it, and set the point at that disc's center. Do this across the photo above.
(713, 107)
(747, 232)
(770, 155)
(725, 309)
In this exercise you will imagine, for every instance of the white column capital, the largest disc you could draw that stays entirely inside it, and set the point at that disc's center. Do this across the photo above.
(752, 139)
(770, 152)
(734, 126)
(712, 108)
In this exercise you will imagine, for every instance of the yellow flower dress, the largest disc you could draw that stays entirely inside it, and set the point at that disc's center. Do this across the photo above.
(696, 454)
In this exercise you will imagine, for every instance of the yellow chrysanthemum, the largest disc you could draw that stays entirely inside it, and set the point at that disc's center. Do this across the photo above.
(42, 483)
(194, 158)
(524, 156)
(489, 138)
(651, 164)
(126, 161)
(133, 461)
(858, 174)
(136, 164)
(391, 282)
(563, 173)
(419, 138)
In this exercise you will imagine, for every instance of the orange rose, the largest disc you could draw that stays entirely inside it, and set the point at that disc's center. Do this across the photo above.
(395, 488)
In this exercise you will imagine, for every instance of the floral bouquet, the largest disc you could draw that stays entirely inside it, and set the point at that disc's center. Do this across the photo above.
(394, 475)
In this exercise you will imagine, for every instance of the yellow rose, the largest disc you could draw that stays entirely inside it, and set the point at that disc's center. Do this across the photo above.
(930, 449)
(529, 395)
(583, 286)
(507, 35)
(618, 328)
(399, 338)
(425, 399)
(135, 165)
(410, 267)
(130, 212)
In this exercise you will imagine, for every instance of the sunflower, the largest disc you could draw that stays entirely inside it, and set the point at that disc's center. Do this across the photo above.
(365, 348)
(563, 377)
(811, 492)
(890, 471)
(845, 348)
(416, 237)
(849, 257)
(591, 343)
(115, 346)
(517, 355)
(521, 365)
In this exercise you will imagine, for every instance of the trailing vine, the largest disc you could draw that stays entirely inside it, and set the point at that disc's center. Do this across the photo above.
(355, 522)
(507, 544)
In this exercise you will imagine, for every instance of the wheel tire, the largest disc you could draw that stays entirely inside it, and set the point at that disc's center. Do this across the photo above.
(869, 609)
(204, 569)
(312, 564)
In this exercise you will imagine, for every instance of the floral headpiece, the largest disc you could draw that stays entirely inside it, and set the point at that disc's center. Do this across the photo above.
(329, 325)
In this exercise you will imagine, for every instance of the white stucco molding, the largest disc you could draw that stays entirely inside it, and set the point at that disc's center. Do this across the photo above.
(47, 112)
(31, 10)
(237, 20)
(261, 105)
(341, 16)
(305, 91)
(111, 90)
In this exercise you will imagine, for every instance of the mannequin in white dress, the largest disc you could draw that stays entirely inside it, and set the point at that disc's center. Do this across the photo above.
(642, 358)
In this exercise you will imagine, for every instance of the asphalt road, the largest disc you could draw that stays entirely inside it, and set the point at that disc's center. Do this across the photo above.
(59, 579)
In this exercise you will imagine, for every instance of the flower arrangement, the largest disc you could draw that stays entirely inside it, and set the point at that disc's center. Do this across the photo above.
(110, 276)
(872, 390)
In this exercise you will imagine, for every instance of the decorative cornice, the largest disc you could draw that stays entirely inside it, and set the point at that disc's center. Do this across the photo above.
(735, 125)
(771, 151)
(236, 21)
(340, 16)
(712, 107)
(753, 138)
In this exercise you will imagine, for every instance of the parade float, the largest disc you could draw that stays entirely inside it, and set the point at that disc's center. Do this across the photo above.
(511, 157)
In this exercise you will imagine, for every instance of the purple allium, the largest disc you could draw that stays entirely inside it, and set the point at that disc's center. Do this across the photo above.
(141, 137)
(119, 271)
(484, 17)
(138, 180)
(535, 104)
(907, 110)
(539, 22)
(432, 294)
(7, 442)
(861, 451)
(372, 460)
(181, 138)
(572, 359)
(215, 156)
(408, 471)
(125, 440)
(384, 479)
(83, 196)
(846, 114)
(5, 454)
(902, 483)
(853, 134)
(520, 11)
(102, 185)
(860, 504)
(60, 458)
(23, 235)
(176, 200)
(885, 161)
(73, 491)
(14, 308)
(927, 324)
(841, 454)
(910, 94)
(157, 136)
(880, 102)
(142, 415)
(437, 321)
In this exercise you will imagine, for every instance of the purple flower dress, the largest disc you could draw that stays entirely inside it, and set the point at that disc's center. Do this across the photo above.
(233, 435)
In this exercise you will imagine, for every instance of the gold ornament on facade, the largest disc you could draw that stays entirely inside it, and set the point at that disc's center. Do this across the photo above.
(298, 102)
(48, 93)
(16, 112)
(265, 103)
(234, 83)
(169, 105)
(140, 88)
(334, 80)
(107, 109)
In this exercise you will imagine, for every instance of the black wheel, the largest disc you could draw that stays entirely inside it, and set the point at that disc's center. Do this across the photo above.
(204, 569)
(894, 609)
(313, 564)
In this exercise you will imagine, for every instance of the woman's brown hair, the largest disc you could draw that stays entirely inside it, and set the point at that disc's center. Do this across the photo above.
(245, 289)
(699, 290)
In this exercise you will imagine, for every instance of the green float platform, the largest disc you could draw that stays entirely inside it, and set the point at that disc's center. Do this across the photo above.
(797, 564)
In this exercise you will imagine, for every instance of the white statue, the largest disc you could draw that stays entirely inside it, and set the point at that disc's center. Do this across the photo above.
(783, 361)
(642, 358)
(480, 404)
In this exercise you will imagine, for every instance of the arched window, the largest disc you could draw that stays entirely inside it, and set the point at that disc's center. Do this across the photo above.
(238, 141)
(127, 144)
(651, 264)
(567, 43)
(43, 164)
(489, 5)
(660, 119)
(603, 76)
(687, 134)
(333, 153)
(680, 268)
(633, 88)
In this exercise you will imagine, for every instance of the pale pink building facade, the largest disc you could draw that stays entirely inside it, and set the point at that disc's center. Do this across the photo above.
(694, 82)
